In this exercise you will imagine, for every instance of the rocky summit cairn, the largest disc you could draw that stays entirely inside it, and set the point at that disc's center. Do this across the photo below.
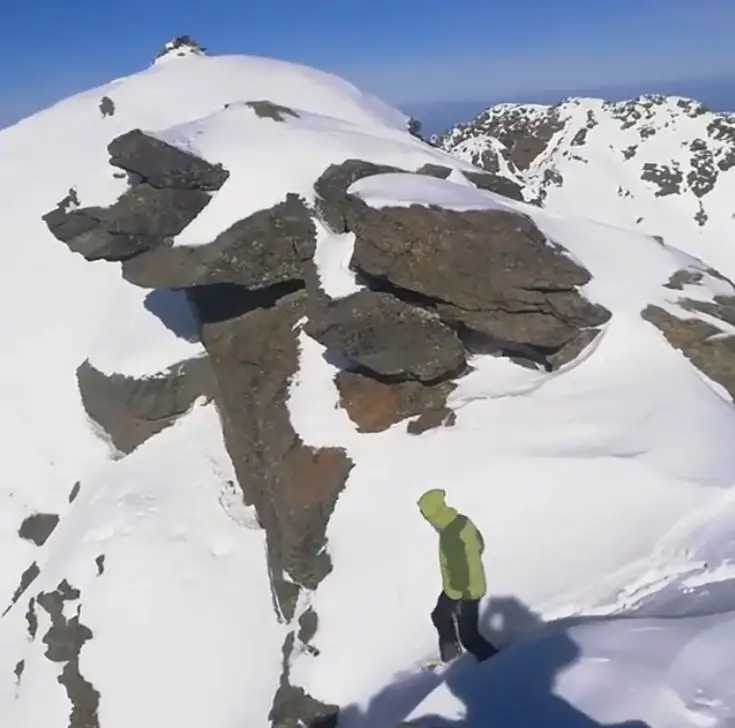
(181, 45)
(437, 286)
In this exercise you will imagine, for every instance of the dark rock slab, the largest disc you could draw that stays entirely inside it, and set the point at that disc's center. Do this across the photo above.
(267, 248)
(699, 341)
(489, 272)
(293, 487)
(392, 339)
(484, 180)
(162, 165)
(144, 217)
(64, 641)
(132, 410)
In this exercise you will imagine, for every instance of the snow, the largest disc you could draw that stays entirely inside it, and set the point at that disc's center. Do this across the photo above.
(585, 473)
(290, 156)
(604, 489)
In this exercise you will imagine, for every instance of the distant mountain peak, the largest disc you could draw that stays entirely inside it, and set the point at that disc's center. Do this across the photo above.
(664, 165)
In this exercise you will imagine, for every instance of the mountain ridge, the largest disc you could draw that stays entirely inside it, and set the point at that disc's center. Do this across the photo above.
(254, 317)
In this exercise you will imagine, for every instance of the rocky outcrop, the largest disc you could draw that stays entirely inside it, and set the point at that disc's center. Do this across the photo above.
(491, 274)
(169, 188)
(332, 201)
(267, 248)
(391, 339)
(433, 280)
(131, 410)
(711, 348)
(161, 165)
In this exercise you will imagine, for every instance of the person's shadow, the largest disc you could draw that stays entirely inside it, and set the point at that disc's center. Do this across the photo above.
(515, 689)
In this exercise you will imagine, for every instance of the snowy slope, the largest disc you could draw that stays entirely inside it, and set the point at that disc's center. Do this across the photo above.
(661, 165)
(599, 493)
(584, 481)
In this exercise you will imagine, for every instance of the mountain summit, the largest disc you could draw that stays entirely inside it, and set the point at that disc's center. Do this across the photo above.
(248, 319)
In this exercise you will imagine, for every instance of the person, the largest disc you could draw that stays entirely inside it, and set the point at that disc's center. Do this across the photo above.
(456, 614)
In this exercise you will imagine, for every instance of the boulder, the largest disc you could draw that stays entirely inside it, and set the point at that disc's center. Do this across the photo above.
(390, 338)
(163, 165)
(267, 248)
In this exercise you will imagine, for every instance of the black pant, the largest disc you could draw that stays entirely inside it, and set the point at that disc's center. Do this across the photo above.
(456, 623)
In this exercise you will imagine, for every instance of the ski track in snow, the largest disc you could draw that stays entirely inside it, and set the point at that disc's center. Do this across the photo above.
(599, 493)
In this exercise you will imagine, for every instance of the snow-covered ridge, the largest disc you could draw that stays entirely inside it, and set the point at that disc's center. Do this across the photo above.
(662, 164)
(360, 342)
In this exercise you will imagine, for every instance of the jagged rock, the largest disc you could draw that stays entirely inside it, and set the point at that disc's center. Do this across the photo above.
(331, 188)
(64, 641)
(144, 217)
(162, 165)
(431, 419)
(484, 180)
(701, 342)
(374, 406)
(267, 248)
(294, 708)
(254, 353)
(131, 410)
(388, 337)
(490, 272)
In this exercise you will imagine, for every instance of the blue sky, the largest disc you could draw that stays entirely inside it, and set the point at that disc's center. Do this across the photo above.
(408, 52)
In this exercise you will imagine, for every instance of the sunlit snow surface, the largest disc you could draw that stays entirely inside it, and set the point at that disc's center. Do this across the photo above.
(602, 488)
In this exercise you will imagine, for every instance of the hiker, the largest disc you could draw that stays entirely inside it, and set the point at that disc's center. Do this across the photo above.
(456, 614)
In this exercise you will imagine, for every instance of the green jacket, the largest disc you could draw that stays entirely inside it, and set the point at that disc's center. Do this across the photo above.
(460, 547)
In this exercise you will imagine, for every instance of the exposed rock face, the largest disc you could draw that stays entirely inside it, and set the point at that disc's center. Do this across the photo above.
(64, 641)
(390, 338)
(131, 410)
(267, 248)
(709, 348)
(374, 406)
(333, 202)
(169, 189)
(489, 272)
(162, 165)
(331, 188)
(484, 180)
(434, 278)
(293, 487)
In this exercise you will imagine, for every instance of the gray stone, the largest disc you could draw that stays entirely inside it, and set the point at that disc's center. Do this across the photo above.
(389, 338)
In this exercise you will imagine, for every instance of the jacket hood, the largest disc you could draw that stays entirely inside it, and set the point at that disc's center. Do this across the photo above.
(435, 510)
